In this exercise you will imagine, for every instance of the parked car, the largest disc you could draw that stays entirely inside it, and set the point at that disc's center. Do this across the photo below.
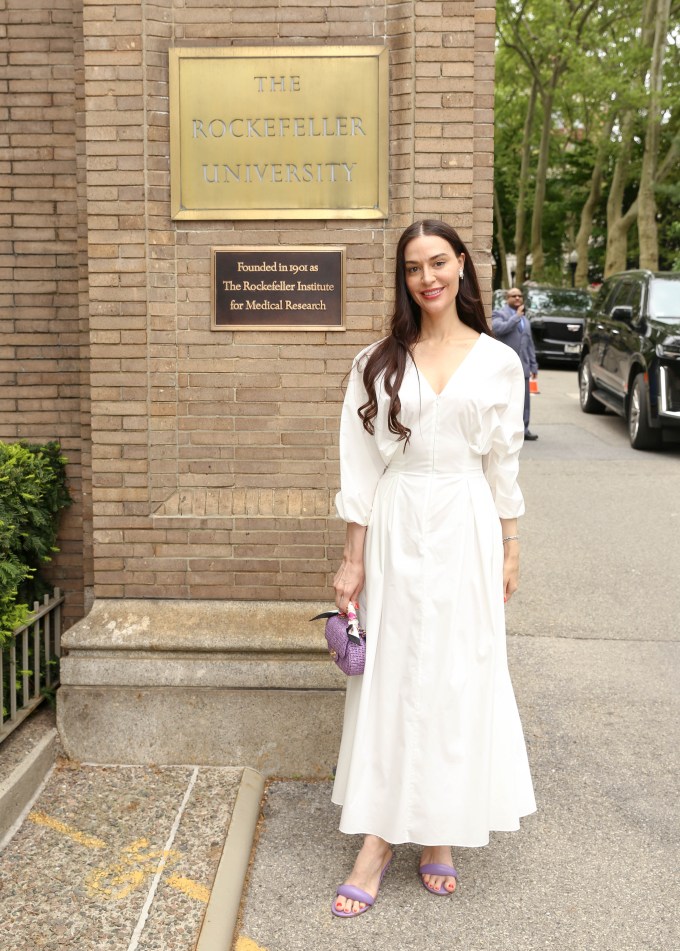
(630, 362)
(557, 316)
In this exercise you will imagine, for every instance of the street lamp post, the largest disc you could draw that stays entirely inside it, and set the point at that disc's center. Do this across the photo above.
(573, 261)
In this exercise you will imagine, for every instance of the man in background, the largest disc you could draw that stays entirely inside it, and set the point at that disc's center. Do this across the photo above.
(512, 327)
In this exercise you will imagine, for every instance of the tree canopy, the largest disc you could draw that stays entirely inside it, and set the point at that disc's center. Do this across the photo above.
(587, 137)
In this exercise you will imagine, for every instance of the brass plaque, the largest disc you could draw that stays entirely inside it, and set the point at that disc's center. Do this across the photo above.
(279, 132)
(293, 288)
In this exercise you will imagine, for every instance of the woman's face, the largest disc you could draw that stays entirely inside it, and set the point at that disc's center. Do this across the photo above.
(432, 269)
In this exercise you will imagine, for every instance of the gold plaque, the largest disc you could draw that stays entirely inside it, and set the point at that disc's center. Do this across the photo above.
(279, 132)
(278, 288)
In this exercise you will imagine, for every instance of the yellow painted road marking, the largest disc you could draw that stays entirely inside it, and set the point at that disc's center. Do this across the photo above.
(80, 837)
(121, 878)
(136, 862)
(247, 944)
(189, 887)
(114, 882)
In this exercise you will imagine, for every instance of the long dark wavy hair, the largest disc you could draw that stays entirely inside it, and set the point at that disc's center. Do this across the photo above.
(390, 356)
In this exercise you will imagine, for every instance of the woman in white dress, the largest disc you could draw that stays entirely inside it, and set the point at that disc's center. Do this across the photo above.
(432, 748)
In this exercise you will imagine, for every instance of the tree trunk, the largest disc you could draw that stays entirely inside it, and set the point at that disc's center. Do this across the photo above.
(586, 225)
(617, 228)
(500, 240)
(671, 157)
(541, 179)
(521, 244)
(647, 227)
(617, 242)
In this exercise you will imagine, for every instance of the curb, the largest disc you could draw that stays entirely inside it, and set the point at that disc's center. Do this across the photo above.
(219, 923)
(22, 784)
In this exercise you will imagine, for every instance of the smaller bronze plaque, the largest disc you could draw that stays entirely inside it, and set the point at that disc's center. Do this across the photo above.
(293, 288)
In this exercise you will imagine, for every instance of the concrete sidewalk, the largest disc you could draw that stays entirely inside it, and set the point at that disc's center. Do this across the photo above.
(595, 868)
(125, 859)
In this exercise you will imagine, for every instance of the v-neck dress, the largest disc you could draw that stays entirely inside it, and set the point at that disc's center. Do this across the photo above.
(432, 748)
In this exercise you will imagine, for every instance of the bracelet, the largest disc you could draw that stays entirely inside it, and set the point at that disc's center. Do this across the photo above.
(510, 538)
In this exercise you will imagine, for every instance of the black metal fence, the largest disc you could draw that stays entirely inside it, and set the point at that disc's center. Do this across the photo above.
(29, 663)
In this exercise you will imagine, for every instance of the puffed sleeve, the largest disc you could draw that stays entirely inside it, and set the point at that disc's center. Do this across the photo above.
(361, 465)
(501, 462)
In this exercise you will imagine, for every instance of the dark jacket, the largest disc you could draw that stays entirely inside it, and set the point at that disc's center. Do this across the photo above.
(506, 327)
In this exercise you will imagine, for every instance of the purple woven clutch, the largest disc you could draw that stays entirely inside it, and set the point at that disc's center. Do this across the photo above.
(346, 648)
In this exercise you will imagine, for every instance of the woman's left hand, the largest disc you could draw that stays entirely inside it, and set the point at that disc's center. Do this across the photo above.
(510, 569)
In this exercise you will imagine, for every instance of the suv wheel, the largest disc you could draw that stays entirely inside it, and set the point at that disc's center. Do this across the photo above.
(585, 389)
(642, 436)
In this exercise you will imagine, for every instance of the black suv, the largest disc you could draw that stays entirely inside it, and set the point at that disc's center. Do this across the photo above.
(557, 316)
(630, 362)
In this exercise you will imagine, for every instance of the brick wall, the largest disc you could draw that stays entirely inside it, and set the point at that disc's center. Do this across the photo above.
(41, 334)
(214, 455)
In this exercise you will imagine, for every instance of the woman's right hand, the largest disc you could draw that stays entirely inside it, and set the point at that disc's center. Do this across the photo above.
(348, 583)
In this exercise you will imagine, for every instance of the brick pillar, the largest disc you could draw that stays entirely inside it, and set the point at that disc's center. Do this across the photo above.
(214, 460)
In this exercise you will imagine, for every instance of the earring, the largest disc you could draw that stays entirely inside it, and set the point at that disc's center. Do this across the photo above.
(461, 275)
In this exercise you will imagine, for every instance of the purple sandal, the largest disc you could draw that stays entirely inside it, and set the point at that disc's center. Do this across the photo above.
(357, 894)
(435, 869)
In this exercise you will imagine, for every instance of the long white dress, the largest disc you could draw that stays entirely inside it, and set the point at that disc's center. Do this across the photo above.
(432, 748)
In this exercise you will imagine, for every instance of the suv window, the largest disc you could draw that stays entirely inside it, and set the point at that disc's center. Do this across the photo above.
(664, 298)
(617, 296)
(603, 294)
(624, 298)
(558, 299)
(635, 300)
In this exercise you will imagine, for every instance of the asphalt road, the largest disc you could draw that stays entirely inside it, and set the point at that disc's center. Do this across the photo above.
(601, 537)
(593, 643)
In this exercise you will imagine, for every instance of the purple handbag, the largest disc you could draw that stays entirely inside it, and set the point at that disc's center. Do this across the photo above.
(346, 640)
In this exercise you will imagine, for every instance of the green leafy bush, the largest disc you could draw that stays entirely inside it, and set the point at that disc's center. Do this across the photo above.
(32, 494)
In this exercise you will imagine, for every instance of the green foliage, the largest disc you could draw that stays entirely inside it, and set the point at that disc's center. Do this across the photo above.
(668, 198)
(12, 615)
(32, 494)
(605, 63)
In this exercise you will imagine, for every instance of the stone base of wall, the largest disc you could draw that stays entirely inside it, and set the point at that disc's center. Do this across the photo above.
(235, 683)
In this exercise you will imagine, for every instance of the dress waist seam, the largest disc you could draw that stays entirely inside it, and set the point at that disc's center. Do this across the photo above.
(434, 473)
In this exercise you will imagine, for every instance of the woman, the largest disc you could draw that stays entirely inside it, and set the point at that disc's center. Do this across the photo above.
(432, 749)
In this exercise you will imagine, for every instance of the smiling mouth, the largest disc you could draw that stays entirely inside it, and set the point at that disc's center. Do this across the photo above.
(430, 295)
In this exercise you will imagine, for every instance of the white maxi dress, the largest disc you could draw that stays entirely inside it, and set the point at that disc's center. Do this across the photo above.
(432, 747)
